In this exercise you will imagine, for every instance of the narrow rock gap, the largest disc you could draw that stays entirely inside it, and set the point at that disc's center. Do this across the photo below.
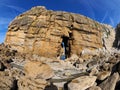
(65, 48)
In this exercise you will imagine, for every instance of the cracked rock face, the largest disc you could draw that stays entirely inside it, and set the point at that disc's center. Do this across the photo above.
(41, 32)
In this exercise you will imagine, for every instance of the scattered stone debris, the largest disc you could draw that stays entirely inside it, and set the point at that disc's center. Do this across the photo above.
(81, 69)
(98, 72)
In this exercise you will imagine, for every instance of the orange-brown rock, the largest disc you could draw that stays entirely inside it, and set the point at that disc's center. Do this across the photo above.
(37, 69)
(27, 83)
(40, 31)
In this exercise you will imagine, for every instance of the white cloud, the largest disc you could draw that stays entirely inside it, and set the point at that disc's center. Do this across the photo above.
(111, 21)
(106, 14)
(19, 9)
(13, 7)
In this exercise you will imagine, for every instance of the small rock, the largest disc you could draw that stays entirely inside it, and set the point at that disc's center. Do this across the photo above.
(92, 63)
(81, 60)
(94, 71)
(106, 66)
(82, 83)
(103, 75)
(67, 73)
(60, 85)
(82, 67)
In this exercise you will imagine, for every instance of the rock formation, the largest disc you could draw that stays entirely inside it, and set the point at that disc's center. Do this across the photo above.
(38, 35)
(99, 71)
(40, 31)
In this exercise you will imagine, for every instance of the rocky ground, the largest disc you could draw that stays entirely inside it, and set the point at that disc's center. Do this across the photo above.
(39, 33)
(98, 70)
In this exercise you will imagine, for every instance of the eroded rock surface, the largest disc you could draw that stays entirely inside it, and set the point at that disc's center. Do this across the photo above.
(82, 83)
(7, 83)
(27, 83)
(35, 37)
(112, 82)
(40, 31)
(97, 71)
(37, 69)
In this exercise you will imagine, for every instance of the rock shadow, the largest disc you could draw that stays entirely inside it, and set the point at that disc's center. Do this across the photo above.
(51, 87)
(116, 43)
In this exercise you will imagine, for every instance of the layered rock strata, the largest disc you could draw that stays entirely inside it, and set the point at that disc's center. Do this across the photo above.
(40, 31)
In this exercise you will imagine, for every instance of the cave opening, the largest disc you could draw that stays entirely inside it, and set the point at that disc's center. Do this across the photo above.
(65, 53)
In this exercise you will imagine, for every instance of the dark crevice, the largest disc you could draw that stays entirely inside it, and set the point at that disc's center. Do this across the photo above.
(66, 48)
(15, 86)
(51, 87)
(116, 43)
(66, 85)
(117, 86)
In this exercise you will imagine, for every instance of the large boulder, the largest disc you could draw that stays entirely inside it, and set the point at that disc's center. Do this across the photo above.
(82, 83)
(37, 69)
(110, 83)
(40, 31)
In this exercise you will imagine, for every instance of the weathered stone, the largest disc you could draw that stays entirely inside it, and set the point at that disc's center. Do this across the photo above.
(106, 66)
(110, 83)
(92, 63)
(27, 83)
(94, 71)
(41, 32)
(37, 69)
(82, 83)
(60, 86)
(7, 83)
(94, 88)
(108, 37)
(103, 75)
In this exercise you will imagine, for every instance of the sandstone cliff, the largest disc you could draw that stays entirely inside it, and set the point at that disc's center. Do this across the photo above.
(40, 31)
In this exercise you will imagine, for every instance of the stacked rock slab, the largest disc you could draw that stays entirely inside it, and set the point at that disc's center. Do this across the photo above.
(41, 32)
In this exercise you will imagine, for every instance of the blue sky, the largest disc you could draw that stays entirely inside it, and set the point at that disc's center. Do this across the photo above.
(104, 11)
